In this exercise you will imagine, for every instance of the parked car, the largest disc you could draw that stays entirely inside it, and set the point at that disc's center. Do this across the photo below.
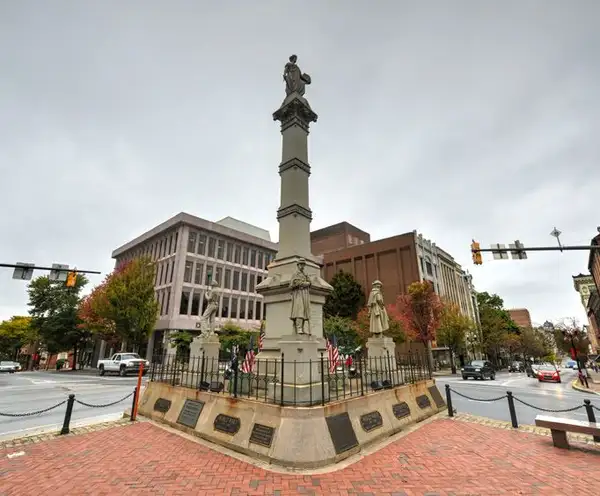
(478, 369)
(9, 367)
(516, 367)
(123, 364)
(548, 372)
(571, 364)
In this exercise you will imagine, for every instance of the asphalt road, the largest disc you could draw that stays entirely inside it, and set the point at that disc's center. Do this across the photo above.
(541, 394)
(31, 391)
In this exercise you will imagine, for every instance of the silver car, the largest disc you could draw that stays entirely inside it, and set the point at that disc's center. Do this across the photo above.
(8, 367)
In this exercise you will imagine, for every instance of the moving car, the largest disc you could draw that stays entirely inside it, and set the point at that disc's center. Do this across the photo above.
(548, 373)
(532, 369)
(516, 367)
(123, 364)
(9, 367)
(571, 364)
(478, 369)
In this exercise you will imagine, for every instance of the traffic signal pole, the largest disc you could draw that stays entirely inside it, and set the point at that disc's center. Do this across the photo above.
(36, 267)
(540, 248)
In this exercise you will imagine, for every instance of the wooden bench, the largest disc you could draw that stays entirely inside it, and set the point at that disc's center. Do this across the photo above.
(560, 426)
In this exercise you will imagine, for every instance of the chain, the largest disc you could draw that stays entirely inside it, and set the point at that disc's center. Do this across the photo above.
(105, 405)
(478, 399)
(594, 406)
(550, 410)
(32, 413)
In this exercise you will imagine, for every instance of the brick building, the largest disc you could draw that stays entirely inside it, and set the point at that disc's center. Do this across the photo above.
(521, 317)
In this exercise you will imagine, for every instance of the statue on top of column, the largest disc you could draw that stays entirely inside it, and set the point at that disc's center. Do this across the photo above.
(207, 321)
(295, 80)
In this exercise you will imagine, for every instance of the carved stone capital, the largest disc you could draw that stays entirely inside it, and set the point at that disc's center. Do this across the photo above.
(295, 111)
(294, 209)
(294, 162)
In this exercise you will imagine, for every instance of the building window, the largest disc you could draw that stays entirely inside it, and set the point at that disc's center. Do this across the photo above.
(258, 280)
(225, 307)
(187, 275)
(201, 245)
(162, 303)
(209, 271)
(176, 238)
(168, 299)
(253, 258)
(192, 242)
(236, 280)
(250, 309)
(218, 276)
(259, 260)
(252, 282)
(244, 281)
(229, 252)
(429, 268)
(195, 303)
(258, 310)
(170, 244)
(242, 309)
(234, 303)
(172, 269)
(236, 254)
(220, 249)
(227, 280)
(185, 300)
(164, 252)
(212, 242)
(160, 249)
(163, 273)
(198, 276)
(244, 256)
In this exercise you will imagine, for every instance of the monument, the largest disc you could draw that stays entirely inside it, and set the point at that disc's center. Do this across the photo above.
(294, 292)
(207, 343)
(379, 347)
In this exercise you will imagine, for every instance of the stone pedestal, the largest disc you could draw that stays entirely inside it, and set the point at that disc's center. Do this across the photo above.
(381, 358)
(210, 345)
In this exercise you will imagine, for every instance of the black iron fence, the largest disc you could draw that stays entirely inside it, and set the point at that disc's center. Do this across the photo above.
(290, 382)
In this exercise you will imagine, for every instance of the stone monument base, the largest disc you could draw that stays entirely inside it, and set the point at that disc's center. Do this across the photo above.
(208, 345)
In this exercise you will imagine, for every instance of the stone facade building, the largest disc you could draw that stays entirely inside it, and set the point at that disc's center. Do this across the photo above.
(584, 284)
(190, 252)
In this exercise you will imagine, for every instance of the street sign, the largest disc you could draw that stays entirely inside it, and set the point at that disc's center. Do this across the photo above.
(517, 251)
(59, 275)
(24, 271)
(499, 251)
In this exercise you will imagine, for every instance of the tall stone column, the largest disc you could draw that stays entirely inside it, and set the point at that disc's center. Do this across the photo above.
(294, 216)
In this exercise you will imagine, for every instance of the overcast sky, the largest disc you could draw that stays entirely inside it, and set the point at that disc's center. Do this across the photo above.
(461, 119)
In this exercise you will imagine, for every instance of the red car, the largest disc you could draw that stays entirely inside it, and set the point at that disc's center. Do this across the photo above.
(548, 373)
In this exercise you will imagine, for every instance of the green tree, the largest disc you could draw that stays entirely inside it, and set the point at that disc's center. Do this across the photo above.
(15, 333)
(181, 340)
(495, 324)
(347, 297)
(532, 343)
(53, 310)
(231, 335)
(452, 330)
(344, 331)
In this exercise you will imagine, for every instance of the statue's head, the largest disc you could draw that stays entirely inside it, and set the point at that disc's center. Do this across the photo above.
(293, 59)
(377, 285)
(301, 264)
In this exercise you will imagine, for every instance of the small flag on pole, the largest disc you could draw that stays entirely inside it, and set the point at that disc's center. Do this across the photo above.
(332, 353)
(261, 336)
(248, 364)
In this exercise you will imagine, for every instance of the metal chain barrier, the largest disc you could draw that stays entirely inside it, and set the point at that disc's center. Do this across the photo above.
(29, 414)
(478, 399)
(595, 407)
(106, 404)
(550, 410)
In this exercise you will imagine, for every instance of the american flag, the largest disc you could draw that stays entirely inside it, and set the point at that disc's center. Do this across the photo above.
(332, 353)
(261, 336)
(248, 364)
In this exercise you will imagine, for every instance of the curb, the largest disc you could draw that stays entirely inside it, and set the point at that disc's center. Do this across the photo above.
(577, 387)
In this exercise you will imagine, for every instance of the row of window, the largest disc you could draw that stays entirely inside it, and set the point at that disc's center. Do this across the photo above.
(164, 273)
(231, 307)
(205, 245)
(157, 249)
(163, 298)
(238, 280)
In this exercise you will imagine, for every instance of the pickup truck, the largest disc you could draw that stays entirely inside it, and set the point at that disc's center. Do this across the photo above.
(123, 364)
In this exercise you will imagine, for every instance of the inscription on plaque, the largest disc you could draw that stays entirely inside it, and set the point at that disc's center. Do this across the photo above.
(401, 410)
(423, 401)
(437, 397)
(225, 423)
(190, 413)
(162, 405)
(341, 432)
(262, 434)
(371, 420)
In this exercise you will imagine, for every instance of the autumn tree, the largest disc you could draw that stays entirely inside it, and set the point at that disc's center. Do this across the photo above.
(92, 312)
(347, 297)
(569, 333)
(419, 312)
(54, 314)
(345, 333)
(15, 333)
(452, 330)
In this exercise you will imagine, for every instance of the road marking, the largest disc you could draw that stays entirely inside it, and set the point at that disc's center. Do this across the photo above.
(14, 455)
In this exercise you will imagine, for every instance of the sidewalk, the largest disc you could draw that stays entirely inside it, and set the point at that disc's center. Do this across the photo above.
(442, 456)
(593, 381)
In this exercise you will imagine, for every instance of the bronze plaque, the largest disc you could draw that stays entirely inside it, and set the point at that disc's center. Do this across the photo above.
(371, 420)
(190, 413)
(162, 405)
(423, 401)
(341, 432)
(401, 410)
(225, 423)
(262, 434)
(437, 396)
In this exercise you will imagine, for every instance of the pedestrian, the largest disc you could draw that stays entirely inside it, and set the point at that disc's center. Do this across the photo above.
(583, 377)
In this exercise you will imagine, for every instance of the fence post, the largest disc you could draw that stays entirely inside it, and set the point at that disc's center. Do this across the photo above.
(449, 401)
(360, 372)
(591, 416)
(202, 369)
(235, 378)
(511, 409)
(70, 402)
(389, 364)
(281, 388)
(322, 380)
(133, 404)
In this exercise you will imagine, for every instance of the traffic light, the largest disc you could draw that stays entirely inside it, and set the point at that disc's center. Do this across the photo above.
(71, 279)
(477, 258)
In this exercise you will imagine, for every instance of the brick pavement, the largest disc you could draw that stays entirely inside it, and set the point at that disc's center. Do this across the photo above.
(444, 456)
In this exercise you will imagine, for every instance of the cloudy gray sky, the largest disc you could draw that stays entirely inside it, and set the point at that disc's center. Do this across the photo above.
(459, 119)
